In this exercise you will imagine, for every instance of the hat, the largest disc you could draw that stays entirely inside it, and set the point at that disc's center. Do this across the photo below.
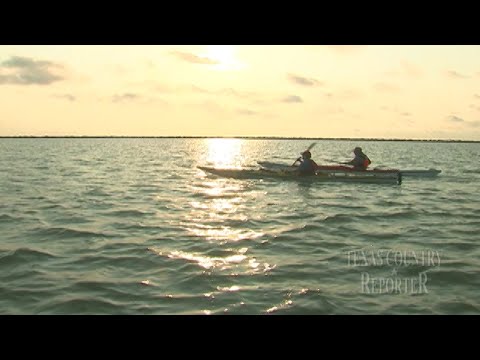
(307, 154)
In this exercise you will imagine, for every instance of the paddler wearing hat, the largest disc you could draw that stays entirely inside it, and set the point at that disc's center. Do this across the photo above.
(307, 165)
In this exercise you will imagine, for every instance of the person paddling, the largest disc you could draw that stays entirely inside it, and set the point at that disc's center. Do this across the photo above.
(307, 165)
(361, 161)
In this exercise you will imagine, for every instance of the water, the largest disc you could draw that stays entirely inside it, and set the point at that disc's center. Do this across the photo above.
(131, 226)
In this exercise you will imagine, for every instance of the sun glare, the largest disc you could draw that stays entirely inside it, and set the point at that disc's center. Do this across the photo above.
(225, 55)
(224, 153)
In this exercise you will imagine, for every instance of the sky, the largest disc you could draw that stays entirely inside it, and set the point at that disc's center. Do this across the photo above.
(325, 91)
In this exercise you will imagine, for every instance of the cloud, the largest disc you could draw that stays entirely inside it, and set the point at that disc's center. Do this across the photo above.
(136, 98)
(456, 75)
(192, 58)
(411, 69)
(300, 80)
(208, 105)
(27, 71)
(406, 68)
(408, 122)
(344, 95)
(248, 98)
(459, 120)
(162, 88)
(247, 112)
(150, 64)
(254, 97)
(124, 97)
(333, 110)
(476, 96)
(236, 93)
(346, 49)
(66, 97)
(395, 110)
(198, 89)
(292, 99)
(456, 119)
(386, 87)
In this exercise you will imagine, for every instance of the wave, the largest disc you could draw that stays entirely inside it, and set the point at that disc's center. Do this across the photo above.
(459, 306)
(53, 206)
(13, 257)
(129, 213)
(62, 232)
(79, 306)
(97, 192)
(7, 218)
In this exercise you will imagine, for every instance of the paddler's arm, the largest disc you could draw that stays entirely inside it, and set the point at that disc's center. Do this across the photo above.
(353, 162)
(298, 160)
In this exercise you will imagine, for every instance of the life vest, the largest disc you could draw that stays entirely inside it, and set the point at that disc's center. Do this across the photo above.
(361, 162)
(307, 167)
(366, 162)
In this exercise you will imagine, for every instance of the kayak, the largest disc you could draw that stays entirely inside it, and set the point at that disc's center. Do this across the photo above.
(344, 169)
(262, 173)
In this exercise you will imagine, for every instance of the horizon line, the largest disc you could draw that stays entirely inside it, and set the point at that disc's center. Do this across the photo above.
(224, 137)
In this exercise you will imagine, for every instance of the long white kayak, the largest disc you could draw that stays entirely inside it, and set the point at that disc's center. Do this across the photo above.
(346, 169)
(389, 178)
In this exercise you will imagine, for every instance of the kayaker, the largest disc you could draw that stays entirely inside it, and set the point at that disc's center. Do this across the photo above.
(307, 165)
(361, 161)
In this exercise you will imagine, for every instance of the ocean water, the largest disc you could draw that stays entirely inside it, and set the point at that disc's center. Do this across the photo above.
(132, 226)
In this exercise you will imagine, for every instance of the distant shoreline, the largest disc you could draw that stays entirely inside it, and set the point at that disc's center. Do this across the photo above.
(236, 137)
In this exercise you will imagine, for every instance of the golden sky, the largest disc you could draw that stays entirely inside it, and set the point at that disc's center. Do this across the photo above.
(419, 92)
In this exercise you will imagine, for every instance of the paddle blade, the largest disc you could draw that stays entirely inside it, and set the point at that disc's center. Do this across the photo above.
(311, 146)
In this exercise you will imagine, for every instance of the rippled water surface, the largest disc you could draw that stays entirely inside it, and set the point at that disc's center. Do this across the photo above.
(132, 226)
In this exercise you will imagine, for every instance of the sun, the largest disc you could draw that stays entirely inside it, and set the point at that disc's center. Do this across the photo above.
(224, 55)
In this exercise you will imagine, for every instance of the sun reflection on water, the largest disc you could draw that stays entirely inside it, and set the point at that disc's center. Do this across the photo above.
(232, 260)
(220, 212)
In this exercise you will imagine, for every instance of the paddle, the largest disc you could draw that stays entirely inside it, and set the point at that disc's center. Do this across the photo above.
(308, 149)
